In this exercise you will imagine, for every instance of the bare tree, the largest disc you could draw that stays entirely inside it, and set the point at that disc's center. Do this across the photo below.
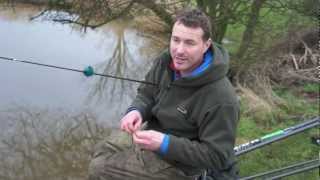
(250, 27)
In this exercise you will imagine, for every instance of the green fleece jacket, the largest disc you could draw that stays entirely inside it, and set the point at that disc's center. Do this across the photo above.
(199, 113)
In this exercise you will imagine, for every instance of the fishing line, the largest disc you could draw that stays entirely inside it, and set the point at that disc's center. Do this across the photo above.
(88, 71)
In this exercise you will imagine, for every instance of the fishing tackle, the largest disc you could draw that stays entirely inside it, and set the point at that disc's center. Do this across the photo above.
(276, 136)
(88, 71)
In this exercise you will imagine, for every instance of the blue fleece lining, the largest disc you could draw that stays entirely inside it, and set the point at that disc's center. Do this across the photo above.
(207, 60)
(165, 145)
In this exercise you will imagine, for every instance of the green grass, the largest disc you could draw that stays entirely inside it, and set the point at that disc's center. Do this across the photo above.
(297, 148)
(311, 88)
(298, 106)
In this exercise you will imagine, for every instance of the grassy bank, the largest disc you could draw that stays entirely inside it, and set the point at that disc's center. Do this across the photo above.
(299, 103)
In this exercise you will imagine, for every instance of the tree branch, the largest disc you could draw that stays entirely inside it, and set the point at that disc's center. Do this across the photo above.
(158, 9)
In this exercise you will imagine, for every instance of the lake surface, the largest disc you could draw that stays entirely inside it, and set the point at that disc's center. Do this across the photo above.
(50, 119)
(115, 49)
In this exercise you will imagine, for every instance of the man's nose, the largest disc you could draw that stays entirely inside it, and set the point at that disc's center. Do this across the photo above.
(180, 48)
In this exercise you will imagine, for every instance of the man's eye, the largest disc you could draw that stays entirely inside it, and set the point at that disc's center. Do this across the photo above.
(175, 39)
(190, 43)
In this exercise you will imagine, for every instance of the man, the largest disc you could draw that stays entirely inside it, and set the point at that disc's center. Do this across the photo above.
(192, 113)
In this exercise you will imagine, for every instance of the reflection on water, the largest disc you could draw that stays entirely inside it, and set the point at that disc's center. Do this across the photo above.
(50, 118)
(122, 63)
(113, 49)
(36, 149)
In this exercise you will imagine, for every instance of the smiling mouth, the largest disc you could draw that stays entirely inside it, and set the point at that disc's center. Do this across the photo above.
(180, 60)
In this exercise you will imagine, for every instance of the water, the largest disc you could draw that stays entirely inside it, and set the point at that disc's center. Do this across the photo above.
(112, 49)
(50, 119)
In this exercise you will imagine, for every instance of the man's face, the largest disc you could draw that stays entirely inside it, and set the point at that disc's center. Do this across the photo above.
(187, 47)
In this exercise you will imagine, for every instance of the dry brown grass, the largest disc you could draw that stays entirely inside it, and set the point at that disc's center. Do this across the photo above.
(293, 62)
(255, 104)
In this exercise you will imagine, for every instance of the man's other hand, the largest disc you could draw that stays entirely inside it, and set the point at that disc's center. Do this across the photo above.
(131, 122)
(149, 140)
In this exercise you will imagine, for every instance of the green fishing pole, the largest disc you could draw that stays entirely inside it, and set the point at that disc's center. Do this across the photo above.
(88, 71)
(276, 136)
(286, 171)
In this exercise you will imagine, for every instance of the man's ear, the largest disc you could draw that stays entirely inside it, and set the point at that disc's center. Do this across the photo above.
(208, 44)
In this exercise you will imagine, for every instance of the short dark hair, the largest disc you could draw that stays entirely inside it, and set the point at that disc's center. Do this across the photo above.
(195, 18)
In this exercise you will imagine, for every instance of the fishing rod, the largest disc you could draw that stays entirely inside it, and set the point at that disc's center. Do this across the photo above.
(276, 136)
(286, 171)
(88, 71)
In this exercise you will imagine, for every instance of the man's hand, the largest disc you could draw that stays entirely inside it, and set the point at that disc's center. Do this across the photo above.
(131, 122)
(149, 140)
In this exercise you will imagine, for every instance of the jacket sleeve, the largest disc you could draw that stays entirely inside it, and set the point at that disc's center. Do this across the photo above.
(214, 149)
(144, 100)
